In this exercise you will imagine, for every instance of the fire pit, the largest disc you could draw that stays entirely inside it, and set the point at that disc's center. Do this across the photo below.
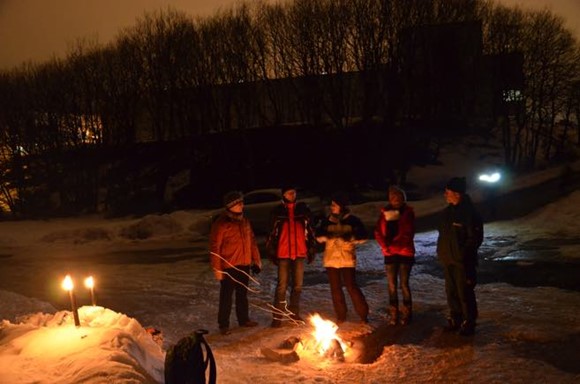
(323, 342)
(327, 342)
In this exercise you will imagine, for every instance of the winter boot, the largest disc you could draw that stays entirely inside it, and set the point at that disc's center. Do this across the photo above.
(393, 315)
(467, 328)
(453, 324)
(406, 314)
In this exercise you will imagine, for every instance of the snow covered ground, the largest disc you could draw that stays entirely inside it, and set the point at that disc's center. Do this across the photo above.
(153, 272)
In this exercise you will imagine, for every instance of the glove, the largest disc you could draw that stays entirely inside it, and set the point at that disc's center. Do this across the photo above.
(274, 260)
(310, 255)
(255, 269)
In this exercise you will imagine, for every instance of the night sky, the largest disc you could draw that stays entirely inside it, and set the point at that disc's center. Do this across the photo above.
(38, 29)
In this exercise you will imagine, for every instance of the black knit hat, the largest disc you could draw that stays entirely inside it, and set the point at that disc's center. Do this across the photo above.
(232, 198)
(340, 198)
(457, 184)
(286, 188)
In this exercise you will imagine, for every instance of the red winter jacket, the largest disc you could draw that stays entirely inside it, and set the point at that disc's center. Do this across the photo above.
(291, 234)
(396, 236)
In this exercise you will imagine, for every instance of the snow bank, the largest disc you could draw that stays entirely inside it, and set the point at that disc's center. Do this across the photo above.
(107, 347)
(15, 305)
(78, 236)
(150, 226)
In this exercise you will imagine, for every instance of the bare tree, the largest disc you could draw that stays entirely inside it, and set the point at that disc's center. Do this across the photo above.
(160, 45)
(549, 53)
(550, 65)
(304, 62)
(372, 35)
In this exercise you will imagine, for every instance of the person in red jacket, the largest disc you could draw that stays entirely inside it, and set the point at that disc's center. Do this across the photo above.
(290, 242)
(395, 233)
(233, 251)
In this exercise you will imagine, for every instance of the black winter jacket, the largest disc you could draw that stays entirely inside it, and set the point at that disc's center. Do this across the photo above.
(460, 234)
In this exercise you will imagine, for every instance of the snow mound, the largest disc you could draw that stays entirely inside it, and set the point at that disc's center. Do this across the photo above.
(15, 305)
(151, 226)
(108, 347)
(567, 218)
(78, 236)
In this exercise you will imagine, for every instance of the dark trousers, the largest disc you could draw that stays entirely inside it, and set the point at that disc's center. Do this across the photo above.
(339, 277)
(399, 271)
(460, 289)
(289, 271)
(237, 281)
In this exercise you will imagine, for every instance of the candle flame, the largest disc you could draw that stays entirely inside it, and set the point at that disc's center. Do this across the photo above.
(89, 282)
(67, 283)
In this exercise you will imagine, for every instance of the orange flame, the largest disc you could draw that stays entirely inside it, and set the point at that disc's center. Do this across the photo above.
(324, 333)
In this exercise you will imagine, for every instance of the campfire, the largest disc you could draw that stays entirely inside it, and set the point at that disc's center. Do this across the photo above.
(322, 341)
(327, 342)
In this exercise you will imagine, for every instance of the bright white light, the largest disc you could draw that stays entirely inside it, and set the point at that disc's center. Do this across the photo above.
(89, 282)
(67, 283)
(493, 178)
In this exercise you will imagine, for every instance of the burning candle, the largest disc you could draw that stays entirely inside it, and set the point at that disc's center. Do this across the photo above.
(90, 284)
(68, 285)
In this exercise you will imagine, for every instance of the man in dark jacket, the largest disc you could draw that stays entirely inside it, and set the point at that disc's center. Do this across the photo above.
(460, 235)
(289, 244)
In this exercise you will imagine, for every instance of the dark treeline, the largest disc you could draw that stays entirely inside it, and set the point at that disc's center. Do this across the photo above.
(326, 93)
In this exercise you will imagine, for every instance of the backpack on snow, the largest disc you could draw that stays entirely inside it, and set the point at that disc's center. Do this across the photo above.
(185, 362)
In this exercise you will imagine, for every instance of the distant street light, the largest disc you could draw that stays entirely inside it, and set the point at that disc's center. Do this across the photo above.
(490, 178)
(490, 185)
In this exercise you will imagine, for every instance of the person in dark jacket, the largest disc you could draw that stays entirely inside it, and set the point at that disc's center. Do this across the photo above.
(460, 235)
(341, 231)
(289, 244)
(233, 251)
(395, 233)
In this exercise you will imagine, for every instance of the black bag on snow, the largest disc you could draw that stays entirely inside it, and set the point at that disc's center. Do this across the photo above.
(187, 363)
